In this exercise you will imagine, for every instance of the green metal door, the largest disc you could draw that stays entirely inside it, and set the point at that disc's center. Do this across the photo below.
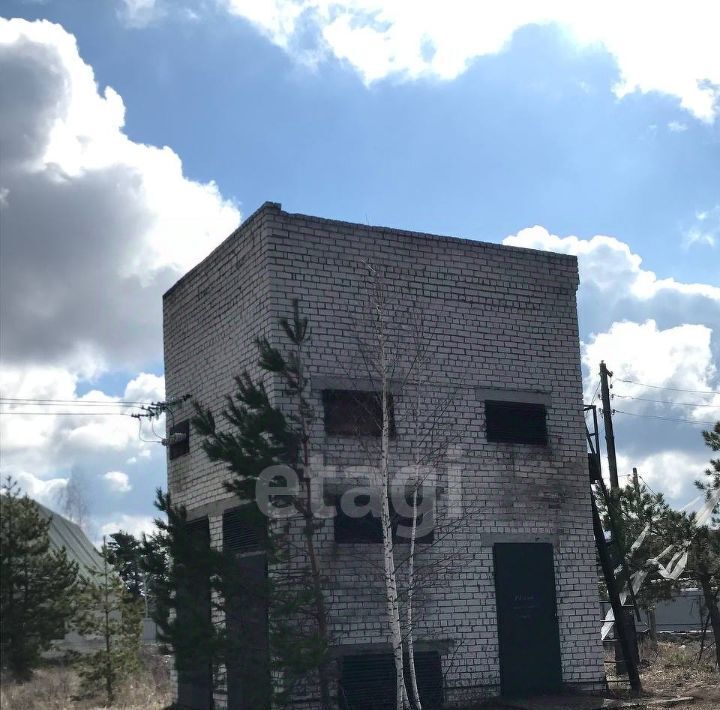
(528, 636)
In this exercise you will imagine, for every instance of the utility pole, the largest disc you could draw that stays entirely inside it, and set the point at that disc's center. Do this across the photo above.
(625, 647)
(607, 419)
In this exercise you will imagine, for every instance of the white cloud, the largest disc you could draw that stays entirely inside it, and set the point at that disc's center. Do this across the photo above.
(140, 13)
(43, 437)
(610, 266)
(118, 482)
(656, 331)
(671, 472)
(705, 229)
(664, 47)
(42, 490)
(134, 524)
(677, 127)
(675, 366)
(83, 205)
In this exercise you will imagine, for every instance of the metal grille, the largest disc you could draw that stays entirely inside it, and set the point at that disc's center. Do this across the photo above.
(242, 532)
(368, 530)
(516, 422)
(354, 413)
(368, 681)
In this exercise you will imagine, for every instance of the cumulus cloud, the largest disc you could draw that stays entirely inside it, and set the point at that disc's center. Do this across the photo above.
(118, 482)
(615, 286)
(44, 438)
(134, 524)
(671, 471)
(661, 339)
(42, 490)
(660, 47)
(95, 225)
(664, 373)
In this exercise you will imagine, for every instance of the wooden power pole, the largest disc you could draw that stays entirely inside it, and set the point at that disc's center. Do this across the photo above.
(607, 419)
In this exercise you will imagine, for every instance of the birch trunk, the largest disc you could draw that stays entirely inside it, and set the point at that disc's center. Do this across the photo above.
(411, 584)
(393, 608)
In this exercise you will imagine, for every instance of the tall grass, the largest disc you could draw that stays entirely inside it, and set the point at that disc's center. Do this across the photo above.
(55, 686)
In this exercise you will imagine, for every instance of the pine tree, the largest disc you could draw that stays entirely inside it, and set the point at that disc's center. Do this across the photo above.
(106, 610)
(637, 518)
(705, 548)
(184, 577)
(262, 435)
(37, 585)
(125, 555)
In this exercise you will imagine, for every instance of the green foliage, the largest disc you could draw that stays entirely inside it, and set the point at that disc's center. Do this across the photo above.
(109, 613)
(259, 434)
(37, 585)
(182, 572)
(626, 513)
(125, 555)
(711, 482)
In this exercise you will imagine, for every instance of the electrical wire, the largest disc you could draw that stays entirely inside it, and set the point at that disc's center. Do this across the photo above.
(68, 414)
(665, 401)
(667, 419)
(82, 402)
(658, 387)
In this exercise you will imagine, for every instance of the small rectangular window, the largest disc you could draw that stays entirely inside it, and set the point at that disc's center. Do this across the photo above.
(243, 529)
(516, 422)
(179, 437)
(367, 680)
(368, 529)
(355, 413)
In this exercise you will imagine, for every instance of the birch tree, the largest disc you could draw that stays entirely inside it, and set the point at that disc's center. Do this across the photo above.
(395, 356)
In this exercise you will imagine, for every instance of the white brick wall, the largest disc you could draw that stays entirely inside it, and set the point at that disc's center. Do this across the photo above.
(498, 317)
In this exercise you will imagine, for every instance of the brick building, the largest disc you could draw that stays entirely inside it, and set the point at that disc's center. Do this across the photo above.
(513, 604)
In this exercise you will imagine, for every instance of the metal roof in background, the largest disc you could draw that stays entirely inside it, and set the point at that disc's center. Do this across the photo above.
(64, 533)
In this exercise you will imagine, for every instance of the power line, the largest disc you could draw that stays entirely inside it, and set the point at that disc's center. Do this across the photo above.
(671, 389)
(81, 402)
(667, 419)
(665, 401)
(69, 414)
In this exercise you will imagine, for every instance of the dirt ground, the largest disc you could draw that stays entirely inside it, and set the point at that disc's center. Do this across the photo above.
(674, 670)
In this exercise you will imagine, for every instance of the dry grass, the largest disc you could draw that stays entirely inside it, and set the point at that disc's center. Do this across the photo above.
(673, 670)
(677, 671)
(55, 687)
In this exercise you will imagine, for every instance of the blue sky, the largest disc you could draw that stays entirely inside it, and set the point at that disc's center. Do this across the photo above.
(597, 124)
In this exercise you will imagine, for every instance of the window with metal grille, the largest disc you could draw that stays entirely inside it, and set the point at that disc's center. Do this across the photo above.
(179, 439)
(243, 529)
(368, 681)
(516, 422)
(355, 413)
(368, 529)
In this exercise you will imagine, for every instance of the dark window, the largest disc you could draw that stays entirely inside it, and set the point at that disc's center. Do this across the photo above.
(516, 422)
(243, 529)
(194, 657)
(368, 681)
(181, 432)
(353, 413)
(356, 530)
(368, 529)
